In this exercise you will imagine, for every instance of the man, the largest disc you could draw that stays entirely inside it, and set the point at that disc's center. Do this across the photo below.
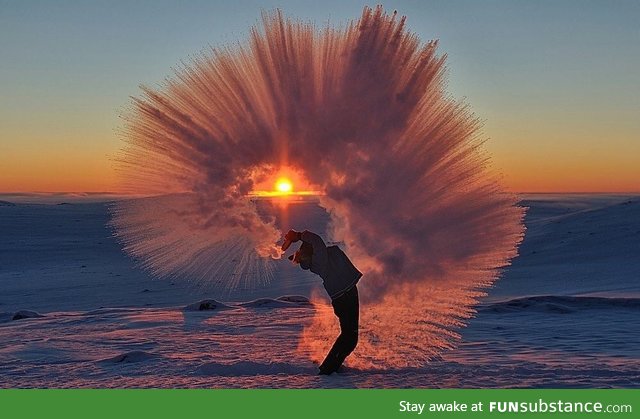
(339, 278)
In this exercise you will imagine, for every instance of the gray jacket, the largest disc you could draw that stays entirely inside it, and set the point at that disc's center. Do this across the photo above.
(334, 267)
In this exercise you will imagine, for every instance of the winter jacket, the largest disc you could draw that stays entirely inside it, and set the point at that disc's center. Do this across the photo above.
(334, 267)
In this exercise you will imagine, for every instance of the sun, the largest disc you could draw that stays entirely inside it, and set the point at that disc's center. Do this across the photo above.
(284, 185)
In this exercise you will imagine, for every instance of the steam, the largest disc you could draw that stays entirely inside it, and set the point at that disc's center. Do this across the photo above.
(363, 113)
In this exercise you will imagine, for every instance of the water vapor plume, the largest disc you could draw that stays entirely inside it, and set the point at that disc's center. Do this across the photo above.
(362, 113)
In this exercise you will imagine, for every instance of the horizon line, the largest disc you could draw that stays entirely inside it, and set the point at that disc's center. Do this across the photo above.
(262, 193)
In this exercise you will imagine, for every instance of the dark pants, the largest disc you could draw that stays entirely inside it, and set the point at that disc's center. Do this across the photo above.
(346, 307)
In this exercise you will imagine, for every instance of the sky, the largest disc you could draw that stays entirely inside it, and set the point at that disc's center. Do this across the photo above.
(556, 82)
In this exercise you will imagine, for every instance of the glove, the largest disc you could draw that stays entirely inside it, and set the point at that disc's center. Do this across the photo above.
(292, 236)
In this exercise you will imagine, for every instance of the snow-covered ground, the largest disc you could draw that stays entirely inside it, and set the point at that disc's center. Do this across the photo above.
(75, 311)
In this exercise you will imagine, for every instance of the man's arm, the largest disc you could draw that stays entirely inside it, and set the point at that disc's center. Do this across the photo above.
(320, 257)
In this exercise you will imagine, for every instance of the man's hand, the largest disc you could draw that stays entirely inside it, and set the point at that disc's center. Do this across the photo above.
(292, 236)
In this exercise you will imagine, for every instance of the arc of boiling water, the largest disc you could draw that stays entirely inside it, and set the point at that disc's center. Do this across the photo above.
(362, 111)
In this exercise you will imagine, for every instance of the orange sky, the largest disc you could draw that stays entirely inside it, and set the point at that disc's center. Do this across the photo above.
(83, 175)
(75, 165)
(560, 105)
(56, 148)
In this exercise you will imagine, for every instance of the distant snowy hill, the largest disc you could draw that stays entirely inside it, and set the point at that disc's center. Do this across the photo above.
(75, 311)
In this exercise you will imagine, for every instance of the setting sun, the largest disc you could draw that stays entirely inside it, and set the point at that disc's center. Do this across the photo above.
(284, 185)
(280, 184)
